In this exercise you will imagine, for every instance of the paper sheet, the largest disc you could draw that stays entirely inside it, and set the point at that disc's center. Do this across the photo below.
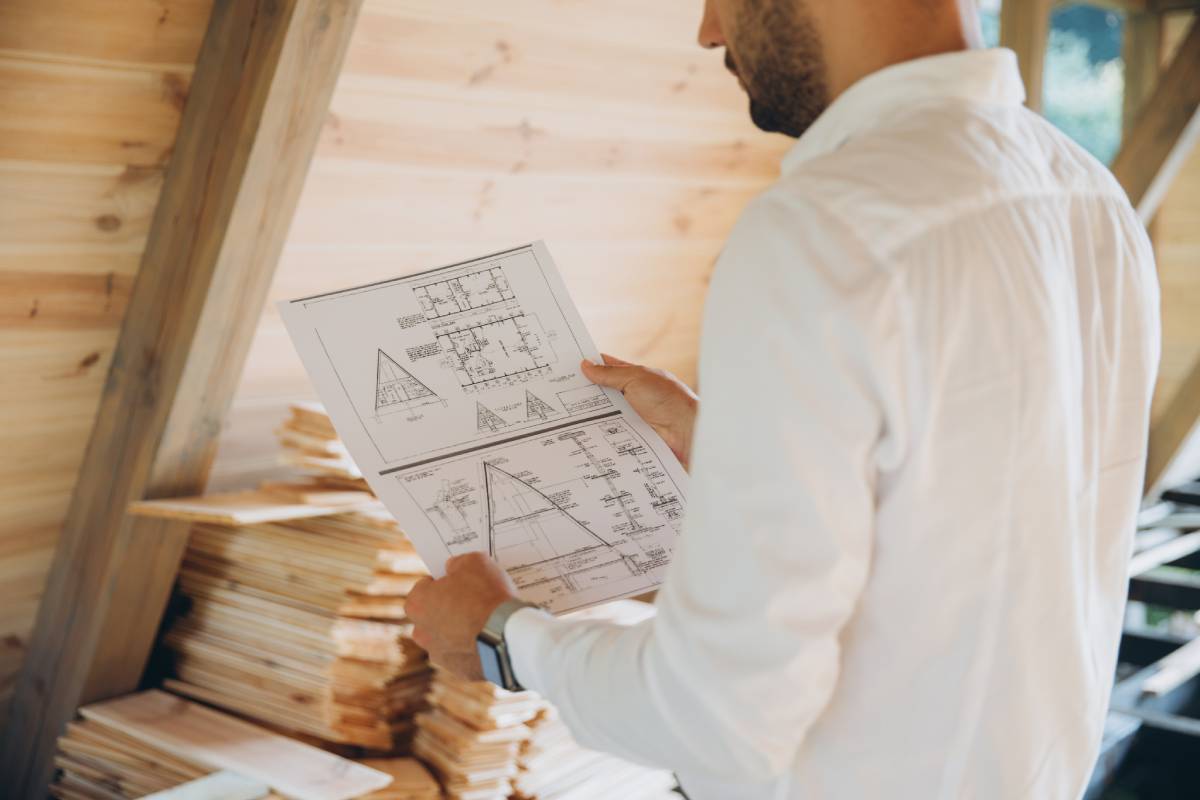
(458, 393)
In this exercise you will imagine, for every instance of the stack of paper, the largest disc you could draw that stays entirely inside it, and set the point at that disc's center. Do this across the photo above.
(299, 622)
(151, 742)
(472, 736)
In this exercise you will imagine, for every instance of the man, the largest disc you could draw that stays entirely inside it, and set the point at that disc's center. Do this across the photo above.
(927, 363)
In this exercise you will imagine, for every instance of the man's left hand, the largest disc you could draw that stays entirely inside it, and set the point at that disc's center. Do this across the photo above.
(448, 613)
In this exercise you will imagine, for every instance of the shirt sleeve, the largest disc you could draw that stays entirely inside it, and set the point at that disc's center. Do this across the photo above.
(742, 656)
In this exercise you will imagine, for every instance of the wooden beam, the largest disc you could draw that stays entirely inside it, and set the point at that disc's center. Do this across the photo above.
(1141, 50)
(1175, 426)
(1165, 132)
(1163, 6)
(259, 97)
(1025, 29)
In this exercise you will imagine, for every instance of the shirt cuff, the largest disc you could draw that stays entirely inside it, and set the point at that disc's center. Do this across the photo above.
(524, 633)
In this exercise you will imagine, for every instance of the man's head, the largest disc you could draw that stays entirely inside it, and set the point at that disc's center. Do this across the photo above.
(793, 57)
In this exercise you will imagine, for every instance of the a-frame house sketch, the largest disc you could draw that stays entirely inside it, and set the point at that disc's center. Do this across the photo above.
(525, 527)
(488, 420)
(537, 408)
(396, 388)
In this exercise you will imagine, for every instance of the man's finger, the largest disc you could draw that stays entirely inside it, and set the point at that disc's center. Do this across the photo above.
(455, 563)
(613, 361)
(423, 639)
(414, 603)
(617, 378)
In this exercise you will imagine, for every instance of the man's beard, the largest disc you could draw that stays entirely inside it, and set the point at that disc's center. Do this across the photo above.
(779, 61)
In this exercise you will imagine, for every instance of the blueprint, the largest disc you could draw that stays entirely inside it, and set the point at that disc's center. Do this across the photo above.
(457, 391)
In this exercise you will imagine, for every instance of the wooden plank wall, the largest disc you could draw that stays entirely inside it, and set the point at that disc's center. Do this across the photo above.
(90, 100)
(1177, 246)
(462, 128)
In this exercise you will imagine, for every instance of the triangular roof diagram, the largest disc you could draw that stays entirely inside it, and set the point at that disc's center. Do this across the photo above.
(396, 386)
(486, 419)
(525, 527)
(537, 407)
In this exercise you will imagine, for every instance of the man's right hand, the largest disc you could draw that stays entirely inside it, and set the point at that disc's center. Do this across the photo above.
(664, 401)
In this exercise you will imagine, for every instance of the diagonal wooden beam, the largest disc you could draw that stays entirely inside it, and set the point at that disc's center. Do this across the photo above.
(259, 96)
(1165, 132)
(1163, 6)
(1141, 49)
(1025, 29)
(1176, 426)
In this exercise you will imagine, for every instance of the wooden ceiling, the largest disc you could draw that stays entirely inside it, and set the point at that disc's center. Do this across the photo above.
(91, 96)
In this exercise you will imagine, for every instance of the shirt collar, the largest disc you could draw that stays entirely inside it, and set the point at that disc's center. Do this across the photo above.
(989, 77)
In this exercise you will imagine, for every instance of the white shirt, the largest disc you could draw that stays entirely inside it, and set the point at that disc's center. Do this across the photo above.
(926, 370)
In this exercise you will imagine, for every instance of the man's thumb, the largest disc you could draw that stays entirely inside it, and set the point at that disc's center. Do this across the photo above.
(612, 377)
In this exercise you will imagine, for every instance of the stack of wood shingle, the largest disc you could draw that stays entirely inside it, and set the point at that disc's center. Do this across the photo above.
(552, 766)
(472, 735)
(155, 742)
(310, 443)
(296, 617)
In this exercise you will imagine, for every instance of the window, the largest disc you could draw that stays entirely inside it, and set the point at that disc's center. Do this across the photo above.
(1085, 75)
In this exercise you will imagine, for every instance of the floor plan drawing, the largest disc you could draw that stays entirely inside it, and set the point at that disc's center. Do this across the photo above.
(496, 351)
(473, 290)
(458, 392)
(396, 388)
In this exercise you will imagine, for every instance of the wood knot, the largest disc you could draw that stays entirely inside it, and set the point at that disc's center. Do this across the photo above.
(108, 222)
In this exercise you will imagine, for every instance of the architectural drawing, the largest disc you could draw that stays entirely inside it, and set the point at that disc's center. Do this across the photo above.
(458, 393)
(467, 292)
(524, 527)
(488, 420)
(537, 408)
(586, 506)
(495, 351)
(396, 388)
(584, 399)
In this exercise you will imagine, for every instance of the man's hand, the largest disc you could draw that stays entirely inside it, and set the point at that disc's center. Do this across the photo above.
(664, 401)
(450, 612)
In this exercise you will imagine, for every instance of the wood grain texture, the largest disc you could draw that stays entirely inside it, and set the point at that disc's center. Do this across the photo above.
(90, 98)
(155, 32)
(463, 128)
(259, 94)
(88, 114)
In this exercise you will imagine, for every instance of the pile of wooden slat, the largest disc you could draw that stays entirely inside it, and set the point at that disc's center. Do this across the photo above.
(155, 742)
(299, 623)
(472, 735)
(552, 766)
(310, 443)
